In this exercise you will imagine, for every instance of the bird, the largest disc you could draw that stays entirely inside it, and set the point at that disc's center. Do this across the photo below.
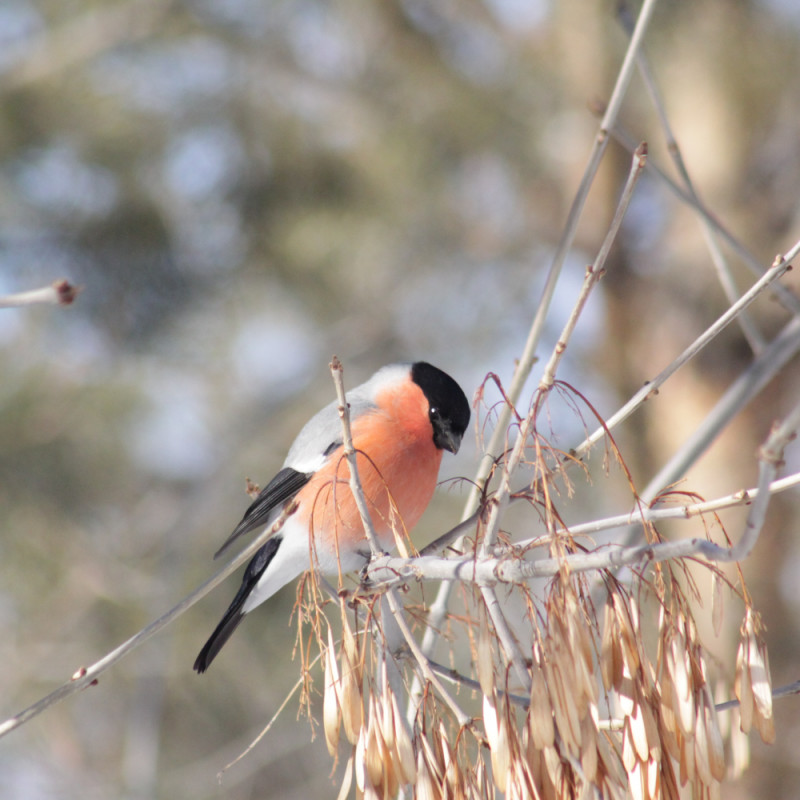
(402, 420)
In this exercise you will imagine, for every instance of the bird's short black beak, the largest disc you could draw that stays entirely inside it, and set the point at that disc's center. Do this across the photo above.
(451, 441)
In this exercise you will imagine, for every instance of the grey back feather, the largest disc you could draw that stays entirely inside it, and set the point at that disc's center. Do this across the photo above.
(310, 449)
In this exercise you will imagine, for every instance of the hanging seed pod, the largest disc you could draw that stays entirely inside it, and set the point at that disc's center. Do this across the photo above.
(404, 749)
(331, 717)
(636, 782)
(741, 685)
(426, 788)
(485, 660)
(716, 747)
(610, 764)
(540, 712)
(610, 649)
(628, 626)
(360, 764)
(651, 779)
(496, 728)
(349, 644)
(669, 785)
(384, 709)
(628, 748)
(453, 776)
(581, 648)
(740, 749)
(553, 767)
(589, 758)
(761, 683)
(667, 721)
(564, 707)
(524, 762)
(380, 772)
(347, 779)
(679, 666)
(433, 769)
(639, 733)
(441, 751)
(717, 604)
(351, 703)
(651, 728)
(701, 748)
(753, 685)
(350, 693)
(687, 765)
(490, 724)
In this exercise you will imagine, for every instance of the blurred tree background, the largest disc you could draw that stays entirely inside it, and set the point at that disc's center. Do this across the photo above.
(245, 187)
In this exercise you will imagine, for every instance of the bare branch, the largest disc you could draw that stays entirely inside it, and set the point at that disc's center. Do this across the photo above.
(646, 514)
(749, 383)
(770, 458)
(749, 329)
(352, 458)
(59, 293)
(86, 676)
(776, 271)
(784, 295)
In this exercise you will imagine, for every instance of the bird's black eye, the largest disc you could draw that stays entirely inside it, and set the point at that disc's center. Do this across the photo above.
(434, 413)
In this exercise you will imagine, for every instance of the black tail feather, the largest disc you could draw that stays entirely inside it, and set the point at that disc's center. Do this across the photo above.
(234, 615)
(221, 634)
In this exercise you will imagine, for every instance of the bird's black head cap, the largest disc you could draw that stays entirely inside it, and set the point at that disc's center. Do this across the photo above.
(449, 409)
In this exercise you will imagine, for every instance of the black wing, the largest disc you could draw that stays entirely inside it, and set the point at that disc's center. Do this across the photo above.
(285, 485)
(234, 615)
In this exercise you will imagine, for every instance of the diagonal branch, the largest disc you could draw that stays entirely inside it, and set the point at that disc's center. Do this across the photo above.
(777, 270)
(87, 676)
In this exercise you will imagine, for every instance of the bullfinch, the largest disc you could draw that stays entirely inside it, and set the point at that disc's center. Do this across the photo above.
(402, 420)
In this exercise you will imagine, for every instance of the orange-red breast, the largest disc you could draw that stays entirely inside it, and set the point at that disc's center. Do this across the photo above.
(402, 419)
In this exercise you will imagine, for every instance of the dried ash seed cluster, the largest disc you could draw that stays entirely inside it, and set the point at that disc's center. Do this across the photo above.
(600, 717)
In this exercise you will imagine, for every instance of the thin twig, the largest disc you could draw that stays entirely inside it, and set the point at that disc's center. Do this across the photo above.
(781, 691)
(770, 458)
(426, 566)
(749, 383)
(87, 676)
(749, 330)
(440, 542)
(507, 639)
(356, 489)
(422, 660)
(783, 294)
(646, 514)
(59, 293)
(470, 683)
(512, 569)
(593, 274)
(779, 267)
(265, 730)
